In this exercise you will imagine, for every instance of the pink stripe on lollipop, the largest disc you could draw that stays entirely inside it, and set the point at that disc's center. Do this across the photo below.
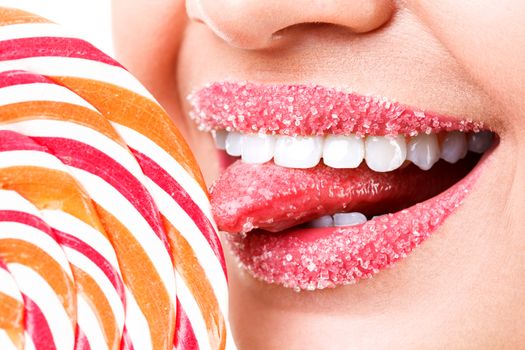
(161, 177)
(88, 158)
(36, 326)
(21, 77)
(15, 49)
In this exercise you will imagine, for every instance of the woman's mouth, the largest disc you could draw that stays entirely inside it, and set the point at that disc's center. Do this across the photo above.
(323, 187)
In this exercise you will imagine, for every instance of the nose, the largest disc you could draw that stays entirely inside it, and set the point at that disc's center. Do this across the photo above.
(253, 24)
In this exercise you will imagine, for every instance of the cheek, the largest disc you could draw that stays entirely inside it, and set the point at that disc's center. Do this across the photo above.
(147, 41)
(487, 38)
(147, 37)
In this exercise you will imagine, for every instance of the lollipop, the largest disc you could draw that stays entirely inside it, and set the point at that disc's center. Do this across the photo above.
(102, 206)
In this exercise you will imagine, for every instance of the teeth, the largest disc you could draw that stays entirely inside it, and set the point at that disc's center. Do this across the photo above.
(349, 219)
(454, 146)
(257, 148)
(323, 221)
(338, 220)
(385, 153)
(423, 150)
(298, 152)
(233, 144)
(479, 142)
(343, 151)
(381, 153)
(219, 136)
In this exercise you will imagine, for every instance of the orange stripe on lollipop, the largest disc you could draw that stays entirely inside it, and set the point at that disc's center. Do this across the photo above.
(51, 189)
(99, 302)
(139, 113)
(10, 16)
(194, 275)
(29, 255)
(11, 314)
(61, 111)
(142, 279)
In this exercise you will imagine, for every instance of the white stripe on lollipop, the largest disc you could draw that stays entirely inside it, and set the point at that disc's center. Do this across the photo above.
(80, 133)
(32, 30)
(194, 314)
(90, 325)
(90, 268)
(137, 325)
(29, 158)
(67, 223)
(64, 222)
(149, 148)
(29, 234)
(78, 68)
(8, 285)
(114, 202)
(5, 341)
(38, 290)
(189, 230)
(40, 92)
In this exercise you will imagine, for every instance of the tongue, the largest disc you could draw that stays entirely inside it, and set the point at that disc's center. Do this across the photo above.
(273, 198)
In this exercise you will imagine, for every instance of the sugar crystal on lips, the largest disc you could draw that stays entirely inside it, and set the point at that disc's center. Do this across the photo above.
(311, 110)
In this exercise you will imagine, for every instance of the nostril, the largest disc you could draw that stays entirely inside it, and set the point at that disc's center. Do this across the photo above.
(256, 24)
(308, 28)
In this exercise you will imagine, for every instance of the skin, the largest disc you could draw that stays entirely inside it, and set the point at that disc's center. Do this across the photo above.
(463, 288)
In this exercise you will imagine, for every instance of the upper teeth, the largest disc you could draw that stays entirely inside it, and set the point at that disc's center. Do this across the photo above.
(381, 153)
(454, 146)
(296, 152)
(258, 148)
(423, 150)
(385, 153)
(480, 141)
(232, 144)
(343, 151)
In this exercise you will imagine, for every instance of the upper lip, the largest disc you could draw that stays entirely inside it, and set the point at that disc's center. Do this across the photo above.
(312, 110)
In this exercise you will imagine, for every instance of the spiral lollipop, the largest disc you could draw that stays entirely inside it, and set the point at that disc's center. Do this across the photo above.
(105, 189)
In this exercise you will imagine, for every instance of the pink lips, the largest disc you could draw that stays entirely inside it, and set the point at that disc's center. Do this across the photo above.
(308, 259)
(311, 110)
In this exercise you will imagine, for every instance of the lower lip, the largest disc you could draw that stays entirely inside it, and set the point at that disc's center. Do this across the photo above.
(310, 259)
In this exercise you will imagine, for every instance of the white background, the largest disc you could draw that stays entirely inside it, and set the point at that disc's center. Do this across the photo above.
(89, 19)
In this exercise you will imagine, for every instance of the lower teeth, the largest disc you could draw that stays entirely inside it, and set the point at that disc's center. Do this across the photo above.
(338, 220)
(323, 221)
